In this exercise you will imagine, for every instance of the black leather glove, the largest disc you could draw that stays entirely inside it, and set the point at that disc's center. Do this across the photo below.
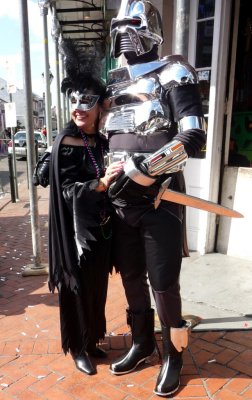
(41, 172)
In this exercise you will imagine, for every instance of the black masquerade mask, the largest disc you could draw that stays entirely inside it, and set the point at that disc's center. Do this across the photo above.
(82, 101)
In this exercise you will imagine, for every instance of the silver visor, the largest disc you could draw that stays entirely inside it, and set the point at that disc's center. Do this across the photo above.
(81, 101)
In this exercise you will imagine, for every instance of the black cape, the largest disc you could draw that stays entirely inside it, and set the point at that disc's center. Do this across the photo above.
(66, 246)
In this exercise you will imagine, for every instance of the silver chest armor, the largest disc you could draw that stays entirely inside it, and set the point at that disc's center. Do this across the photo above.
(136, 100)
(137, 118)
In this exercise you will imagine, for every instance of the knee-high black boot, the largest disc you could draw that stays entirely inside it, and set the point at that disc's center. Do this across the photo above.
(174, 341)
(143, 342)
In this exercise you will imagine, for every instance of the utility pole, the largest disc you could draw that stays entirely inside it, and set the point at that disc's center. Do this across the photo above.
(44, 4)
(11, 88)
(182, 27)
(56, 31)
(14, 161)
(37, 268)
(63, 96)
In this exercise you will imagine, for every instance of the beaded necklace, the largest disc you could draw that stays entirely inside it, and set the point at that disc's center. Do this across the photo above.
(98, 169)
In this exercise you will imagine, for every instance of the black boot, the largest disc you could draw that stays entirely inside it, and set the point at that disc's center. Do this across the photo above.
(174, 341)
(83, 363)
(143, 342)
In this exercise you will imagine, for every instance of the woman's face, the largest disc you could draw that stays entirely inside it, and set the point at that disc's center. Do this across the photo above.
(85, 111)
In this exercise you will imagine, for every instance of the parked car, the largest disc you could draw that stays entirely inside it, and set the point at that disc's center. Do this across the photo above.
(20, 143)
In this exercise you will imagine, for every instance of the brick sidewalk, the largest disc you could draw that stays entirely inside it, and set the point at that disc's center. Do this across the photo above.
(217, 365)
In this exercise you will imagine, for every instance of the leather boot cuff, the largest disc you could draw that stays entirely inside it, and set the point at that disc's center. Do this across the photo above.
(179, 336)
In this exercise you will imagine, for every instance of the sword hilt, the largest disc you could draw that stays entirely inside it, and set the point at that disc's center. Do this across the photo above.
(164, 186)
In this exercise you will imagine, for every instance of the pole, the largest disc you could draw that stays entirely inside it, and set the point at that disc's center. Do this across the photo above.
(37, 268)
(67, 107)
(182, 27)
(59, 118)
(63, 97)
(14, 165)
(14, 162)
(11, 175)
(44, 13)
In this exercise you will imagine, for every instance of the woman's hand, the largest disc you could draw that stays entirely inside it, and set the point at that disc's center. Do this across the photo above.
(111, 173)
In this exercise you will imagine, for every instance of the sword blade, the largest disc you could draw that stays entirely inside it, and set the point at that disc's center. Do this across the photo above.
(196, 202)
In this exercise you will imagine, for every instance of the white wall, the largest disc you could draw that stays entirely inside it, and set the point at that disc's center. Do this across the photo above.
(234, 234)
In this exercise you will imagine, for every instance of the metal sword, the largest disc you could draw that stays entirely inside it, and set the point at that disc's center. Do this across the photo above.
(195, 202)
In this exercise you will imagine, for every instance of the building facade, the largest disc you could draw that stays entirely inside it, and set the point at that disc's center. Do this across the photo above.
(38, 105)
(219, 46)
(215, 36)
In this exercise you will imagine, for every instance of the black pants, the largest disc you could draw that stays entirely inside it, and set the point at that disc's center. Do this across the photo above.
(150, 245)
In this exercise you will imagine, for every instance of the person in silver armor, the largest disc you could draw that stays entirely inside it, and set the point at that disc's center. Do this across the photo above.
(154, 121)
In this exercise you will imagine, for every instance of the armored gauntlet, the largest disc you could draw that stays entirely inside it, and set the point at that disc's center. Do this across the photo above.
(170, 158)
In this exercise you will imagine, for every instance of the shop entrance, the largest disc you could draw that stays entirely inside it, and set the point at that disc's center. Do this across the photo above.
(240, 149)
(233, 235)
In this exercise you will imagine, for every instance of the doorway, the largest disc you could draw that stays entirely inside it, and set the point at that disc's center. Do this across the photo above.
(233, 235)
(240, 146)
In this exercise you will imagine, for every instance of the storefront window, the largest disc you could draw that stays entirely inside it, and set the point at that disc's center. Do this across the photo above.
(206, 9)
(204, 82)
(203, 57)
(240, 153)
(204, 44)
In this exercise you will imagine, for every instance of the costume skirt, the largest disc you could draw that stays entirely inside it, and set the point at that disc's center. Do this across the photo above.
(82, 315)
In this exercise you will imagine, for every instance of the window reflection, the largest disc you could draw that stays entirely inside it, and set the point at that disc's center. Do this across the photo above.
(204, 83)
(206, 9)
(204, 44)
(202, 153)
(138, 9)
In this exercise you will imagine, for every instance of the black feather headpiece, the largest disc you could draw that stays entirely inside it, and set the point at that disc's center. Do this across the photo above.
(83, 67)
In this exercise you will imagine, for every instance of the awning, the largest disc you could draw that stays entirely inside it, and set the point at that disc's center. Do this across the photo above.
(86, 22)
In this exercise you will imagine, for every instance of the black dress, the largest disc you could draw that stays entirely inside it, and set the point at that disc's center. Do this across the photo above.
(79, 244)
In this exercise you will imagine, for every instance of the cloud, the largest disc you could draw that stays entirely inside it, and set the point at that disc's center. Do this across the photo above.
(11, 9)
(9, 66)
(35, 19)
(12, 59)
(10, 14)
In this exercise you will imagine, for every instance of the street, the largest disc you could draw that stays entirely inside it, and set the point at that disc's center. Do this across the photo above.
(21, 166)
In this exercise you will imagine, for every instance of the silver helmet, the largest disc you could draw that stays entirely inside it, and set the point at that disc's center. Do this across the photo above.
(136, 28)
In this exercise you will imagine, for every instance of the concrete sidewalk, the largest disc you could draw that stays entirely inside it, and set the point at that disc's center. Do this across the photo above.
(216, 290)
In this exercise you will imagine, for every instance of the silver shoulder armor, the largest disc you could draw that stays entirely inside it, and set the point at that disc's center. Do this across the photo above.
(177, 72)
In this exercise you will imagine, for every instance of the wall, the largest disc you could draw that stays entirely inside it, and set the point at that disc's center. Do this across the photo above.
(234, 234)
(167, 17)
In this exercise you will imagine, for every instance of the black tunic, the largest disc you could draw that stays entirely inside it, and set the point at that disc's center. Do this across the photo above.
(79, 248)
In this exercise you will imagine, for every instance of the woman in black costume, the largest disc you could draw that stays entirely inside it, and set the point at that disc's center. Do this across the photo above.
(79, 226)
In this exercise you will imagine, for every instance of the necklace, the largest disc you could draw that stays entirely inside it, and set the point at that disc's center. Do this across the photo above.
(99, 172)
(98, 169)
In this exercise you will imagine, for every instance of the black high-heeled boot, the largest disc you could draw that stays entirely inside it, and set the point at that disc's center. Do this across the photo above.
(174, 341)
(83, 363)
(143, 342)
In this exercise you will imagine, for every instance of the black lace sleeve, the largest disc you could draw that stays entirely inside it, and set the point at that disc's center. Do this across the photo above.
(78, 183)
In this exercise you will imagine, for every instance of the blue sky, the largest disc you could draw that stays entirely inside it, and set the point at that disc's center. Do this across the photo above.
(10, 45)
